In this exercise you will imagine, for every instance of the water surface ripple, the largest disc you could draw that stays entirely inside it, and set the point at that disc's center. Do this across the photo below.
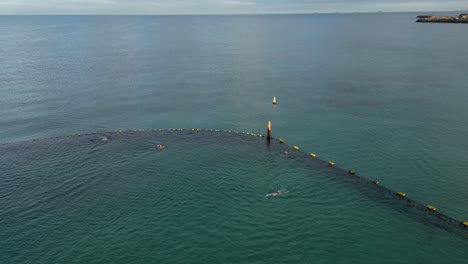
(77, 199)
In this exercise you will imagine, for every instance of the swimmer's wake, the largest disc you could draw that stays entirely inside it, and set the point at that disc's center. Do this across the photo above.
(278, 193)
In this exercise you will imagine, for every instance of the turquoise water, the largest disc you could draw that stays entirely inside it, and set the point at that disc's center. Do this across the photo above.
(202, 200)
(376, 93)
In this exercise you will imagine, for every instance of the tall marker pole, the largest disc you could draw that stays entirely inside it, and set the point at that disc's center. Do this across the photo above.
(269, 131)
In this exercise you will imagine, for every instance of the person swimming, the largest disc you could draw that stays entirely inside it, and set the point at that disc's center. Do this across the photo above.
(160, 146)
(278, 193)
(105, 139)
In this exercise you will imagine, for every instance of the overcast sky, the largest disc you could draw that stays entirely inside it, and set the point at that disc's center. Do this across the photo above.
(223, 6)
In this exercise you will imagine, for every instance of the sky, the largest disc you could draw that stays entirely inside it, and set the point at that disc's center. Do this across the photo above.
(109, 7)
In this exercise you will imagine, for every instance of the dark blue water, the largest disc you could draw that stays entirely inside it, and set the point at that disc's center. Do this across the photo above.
(374, 92)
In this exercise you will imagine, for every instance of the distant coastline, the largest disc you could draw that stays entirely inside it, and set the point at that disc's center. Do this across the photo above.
(462, 18)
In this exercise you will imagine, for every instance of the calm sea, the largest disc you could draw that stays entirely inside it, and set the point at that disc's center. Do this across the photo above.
(377, 93)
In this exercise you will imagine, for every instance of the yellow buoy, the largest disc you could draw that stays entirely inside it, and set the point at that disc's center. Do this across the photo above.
(430, 207)
(281, 140)
(331, 163)
(375, 182)
(402, 194)
(296, 147)
(465, 223)
(274, 99)
(313, 155)
(260, 135)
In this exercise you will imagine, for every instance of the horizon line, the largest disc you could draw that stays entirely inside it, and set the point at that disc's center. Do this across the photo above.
(234, 14)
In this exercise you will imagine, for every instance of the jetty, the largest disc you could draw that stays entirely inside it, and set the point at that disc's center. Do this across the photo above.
(461, 19)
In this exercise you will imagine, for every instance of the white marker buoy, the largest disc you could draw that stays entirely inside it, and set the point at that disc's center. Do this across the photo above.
(274, 99)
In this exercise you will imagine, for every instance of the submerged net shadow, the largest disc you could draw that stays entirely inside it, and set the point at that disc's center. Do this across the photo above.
(371, 187)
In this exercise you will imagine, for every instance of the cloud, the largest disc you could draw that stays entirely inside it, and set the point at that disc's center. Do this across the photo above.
(237, 3)
(221, 6)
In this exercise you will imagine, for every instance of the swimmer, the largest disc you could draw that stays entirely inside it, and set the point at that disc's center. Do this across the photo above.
(105, 139)
(278, 193)
(160, 146)
(285, 153)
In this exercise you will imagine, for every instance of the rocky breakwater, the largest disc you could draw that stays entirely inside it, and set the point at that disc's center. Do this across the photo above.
(462, 18)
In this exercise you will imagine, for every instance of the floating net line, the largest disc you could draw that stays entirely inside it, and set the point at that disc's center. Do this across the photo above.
(302, 157)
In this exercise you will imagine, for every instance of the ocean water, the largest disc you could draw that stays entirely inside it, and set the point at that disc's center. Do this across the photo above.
(377, 93)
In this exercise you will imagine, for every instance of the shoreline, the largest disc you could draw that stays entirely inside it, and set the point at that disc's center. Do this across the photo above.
(460, 19)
